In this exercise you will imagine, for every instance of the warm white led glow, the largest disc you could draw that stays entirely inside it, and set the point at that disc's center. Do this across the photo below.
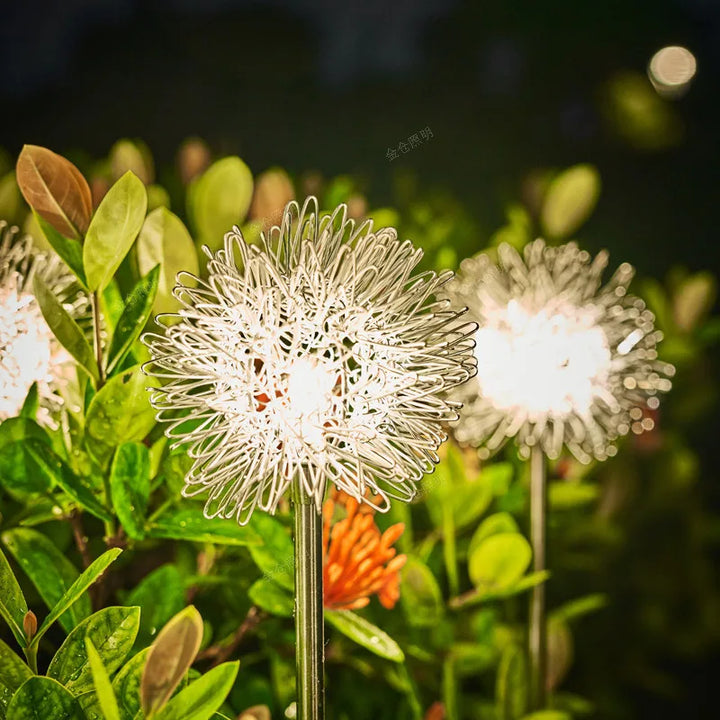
(561, 359)
(314, 356)
(549, 361)
(671, 70)
(29, 353)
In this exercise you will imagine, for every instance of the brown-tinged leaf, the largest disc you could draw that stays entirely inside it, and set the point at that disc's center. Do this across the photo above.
(273, 190)
(256, 712)
(435, 712)
(170, 657)
(55, 189)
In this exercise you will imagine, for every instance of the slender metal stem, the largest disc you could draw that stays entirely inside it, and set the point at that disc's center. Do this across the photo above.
(538, 621)
(309, 627)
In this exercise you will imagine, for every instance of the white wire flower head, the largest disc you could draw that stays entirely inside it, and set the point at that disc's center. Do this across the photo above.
(29, 352)
(315, 356)
(561, 358)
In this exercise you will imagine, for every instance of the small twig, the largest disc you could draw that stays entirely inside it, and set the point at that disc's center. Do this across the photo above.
(220, 653)
(81, 539)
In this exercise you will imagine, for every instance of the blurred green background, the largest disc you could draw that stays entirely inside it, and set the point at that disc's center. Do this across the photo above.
(511, 93)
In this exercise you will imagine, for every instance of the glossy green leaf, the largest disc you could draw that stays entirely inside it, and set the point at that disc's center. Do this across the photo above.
(112, 631)
(547, 715)
(219, 199)
(271, 597)
(126, 684)
(42, 698)
(499, 561)
(48, 465)
(130, 487)
(189, 523)
(120, 412)
(101, 681)
(511, 692)
(495, 524)
(365, 633)
(134, 316)
(65, 329)
(13, 607)
(13, 673)
(69, 249)
(170, 657)
(76, 590)
(19, 471)
(165, 241)
(274, 555)
(570, 200)
(49, 570)
(113, 229)
(31, 404)
(203, 697)
(160, 595)
(420, 594)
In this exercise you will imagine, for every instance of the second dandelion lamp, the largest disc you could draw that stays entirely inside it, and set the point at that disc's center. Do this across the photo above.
(314, 358)
(562, 361)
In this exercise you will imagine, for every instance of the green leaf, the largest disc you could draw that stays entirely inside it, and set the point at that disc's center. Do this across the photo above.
(271, 597)
(47, 464)
(693, 300)
(13, 673)
(19, 471)
(420, 594)
(580, 606)
(120, 412)
(202, 698)
(134, 316)
(65, 329)
(219, 199)
(13, 607)
(112, 631)
(165, 241)
(189, 523)
(511, 690)
(49, 570)
(126, 684)
(565, 495)
(101, 681)
(570, 200)
(547, 715)
(42, 698)
(170, 657)
(499, 561)
(75, 591)
(365, 633)
(274, 555)
(69, 250)
(160, 595)
(113, 229)
(475, 597)
(31, 404)
(130, 487)
(468, 499)
(495, 524)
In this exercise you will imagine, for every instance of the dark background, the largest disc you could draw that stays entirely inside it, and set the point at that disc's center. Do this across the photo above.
(505, 87)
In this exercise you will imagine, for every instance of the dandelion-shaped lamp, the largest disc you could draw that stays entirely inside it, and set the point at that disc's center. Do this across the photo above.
(29, 353)
(562, 361)
(313, 358)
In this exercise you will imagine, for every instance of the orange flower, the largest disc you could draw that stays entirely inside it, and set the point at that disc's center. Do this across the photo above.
(359, 560)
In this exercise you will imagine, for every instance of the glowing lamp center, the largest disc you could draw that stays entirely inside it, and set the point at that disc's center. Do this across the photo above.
(547, 362)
